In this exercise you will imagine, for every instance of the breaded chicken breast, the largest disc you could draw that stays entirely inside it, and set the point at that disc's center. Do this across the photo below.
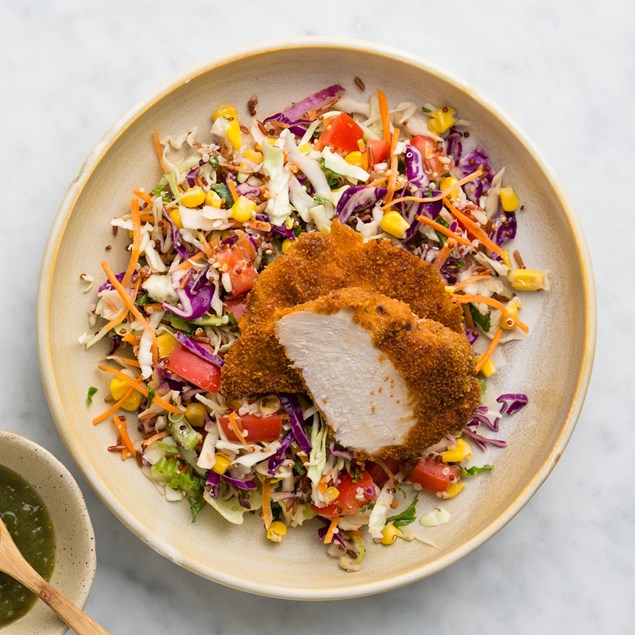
(387, 382)
(317, 264)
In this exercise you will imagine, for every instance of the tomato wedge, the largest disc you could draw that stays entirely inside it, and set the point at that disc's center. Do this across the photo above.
(431, 155)
(256, 428)
(194, 369)
(380, 150)
(433, 476)
(342, 133)
(242, 273)
(350, 499)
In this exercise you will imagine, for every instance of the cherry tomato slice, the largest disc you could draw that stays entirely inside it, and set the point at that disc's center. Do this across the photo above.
(342, 133)
(193, 369)
(351, 499)
(256, 428)
(433, 476)
(380, 150)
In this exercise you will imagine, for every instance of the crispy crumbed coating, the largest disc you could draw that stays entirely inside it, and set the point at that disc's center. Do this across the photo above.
(317, 264)
(436, 363)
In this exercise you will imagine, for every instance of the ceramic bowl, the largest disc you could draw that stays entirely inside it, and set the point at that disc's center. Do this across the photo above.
(553, 365)
(75, 561)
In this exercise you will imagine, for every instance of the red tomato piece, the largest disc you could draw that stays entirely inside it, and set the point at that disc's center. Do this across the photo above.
(342, 133)
(433, 476)
(431, 155)
(350, 500)
(236, 306)
(256, 428)
(378, 474)
(242, 273)
(192, 368)
(380, 150)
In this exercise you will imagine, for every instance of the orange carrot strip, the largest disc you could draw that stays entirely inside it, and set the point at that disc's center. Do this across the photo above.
(444, 254)
(154, 438)
(378, 182)
(493, 303)
(394, 165)
(488, 353)
(123, 433)
(444, 230)
(131, 307)
(482, 276)
(136, 242)
(147, 218)
(267, 516)
(131, 339)
(144, 196)
(328, 538)
(383, 111)
(159, 151)
(188, 263)
(232, 188)
(235, 426)
(474, 228)
(141, 388)
(126, 361)
(111, 411)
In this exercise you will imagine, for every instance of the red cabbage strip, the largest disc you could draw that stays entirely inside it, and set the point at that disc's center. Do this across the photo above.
(292, 407)
(238, 483)
(316, 101)
(275, 461)
(213, 480)
(482, 441)
(357, 199)
(198, 350)
(195, 298)
(176, 237)
(108, 285)
(322, 531)
(516, 402)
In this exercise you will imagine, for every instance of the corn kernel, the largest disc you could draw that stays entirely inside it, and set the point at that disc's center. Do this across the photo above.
(458, 453)
(354, 158)
(221, 464)
(118, 388)
(527, 279)
(229, 112)
(277, 531)
(213, 200)
(287, 243)
(133, 402)
(446, 184)
(193, 197)
(195, 414)
(243, 209)
(234, 135)
(253, 155)
(452, 491)
(395, 224)
(166, 343)
(330, 494)
(512, 308)
(175, 215)
(506, 261)
(306, 149)
(509, 200)
(488, 368)
(441, 120)
(389, 534)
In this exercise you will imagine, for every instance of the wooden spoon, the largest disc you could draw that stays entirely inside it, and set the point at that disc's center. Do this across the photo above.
(12, 562)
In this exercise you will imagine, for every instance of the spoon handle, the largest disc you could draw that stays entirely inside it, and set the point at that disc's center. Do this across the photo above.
(17, 567)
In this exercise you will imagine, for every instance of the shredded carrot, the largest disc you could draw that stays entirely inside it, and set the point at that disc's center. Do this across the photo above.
(131, 339)
(188, 263)
(267, 516)
(141, 388)
(232, 188)
(123, 433)
(159, 151)
(394, 165)
(444, 254)
(144, 196)
(444, 230)
(493, 303)
(482, 276)
(328, 538)
(126, 361)
(235, 426)
(378, 182)
(136, 242)
(146, 218)
(488, 353)
(154, 438)
(111, 411)
(438, 197)
(131, 307)
(475, 229)
(383, 111)
(209, 252)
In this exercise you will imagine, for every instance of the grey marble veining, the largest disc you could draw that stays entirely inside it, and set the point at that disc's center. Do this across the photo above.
(566, 72)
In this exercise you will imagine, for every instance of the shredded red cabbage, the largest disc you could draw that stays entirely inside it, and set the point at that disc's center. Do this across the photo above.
(413, 161)
(482, 441)
(275, 460)
(238, 483)
(195, 298)
(357, 199)
(246, 189)
(504, 228)
(454, 147)
(176, 237)
(213, 480)
(199, 350)
(107, 286)
(316, 101)
(512, 402)
(296, 418)
(477, 159)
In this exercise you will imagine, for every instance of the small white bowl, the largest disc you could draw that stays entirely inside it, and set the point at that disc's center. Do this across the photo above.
(75, 560)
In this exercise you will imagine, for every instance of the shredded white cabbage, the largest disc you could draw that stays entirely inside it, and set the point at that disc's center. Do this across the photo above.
(378, 515)
(160, 288)
(339, 165)
(278, 207)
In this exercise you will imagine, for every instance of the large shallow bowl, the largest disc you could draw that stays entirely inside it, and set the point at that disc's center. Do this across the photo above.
(75, 560)
(553, 365)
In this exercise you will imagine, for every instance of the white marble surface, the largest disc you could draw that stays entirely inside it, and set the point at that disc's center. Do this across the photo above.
(565, 71)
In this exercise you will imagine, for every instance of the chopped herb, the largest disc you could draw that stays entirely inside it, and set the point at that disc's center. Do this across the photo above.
(196, 500)
(213, 161)
(223, 191)
(480, 319)
(429, 193)
(151, 395)
(89, 397)
(442, 238)
(231, 319)
(460, 264)
(369, 506)
(319, 200)
(406, 517)
(144, 299)
(356, 475)
(334, 179)
(424, 109)
(472, 471)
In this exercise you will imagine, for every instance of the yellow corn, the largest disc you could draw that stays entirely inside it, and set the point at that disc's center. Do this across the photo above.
(195, 414)
(509, 200)
(441, 120)
(330, 494)
(277, 531)
(452, 491)
(242, 209)
(512, 308)
(222, 463)
(506, 261)
(488, 368)
(305, 148)
(458, 453)
(166, 343)
(234, 135)
(354, 158)
(287, 243)
(395, 224)
(193, 197)
(229, 112)
(526, 279)
(175, 215)
(253, 155)
(389, 534)
(213, 200)
(118, 388)
(446, 184)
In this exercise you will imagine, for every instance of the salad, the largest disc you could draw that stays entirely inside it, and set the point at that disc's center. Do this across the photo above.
(230, 202)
